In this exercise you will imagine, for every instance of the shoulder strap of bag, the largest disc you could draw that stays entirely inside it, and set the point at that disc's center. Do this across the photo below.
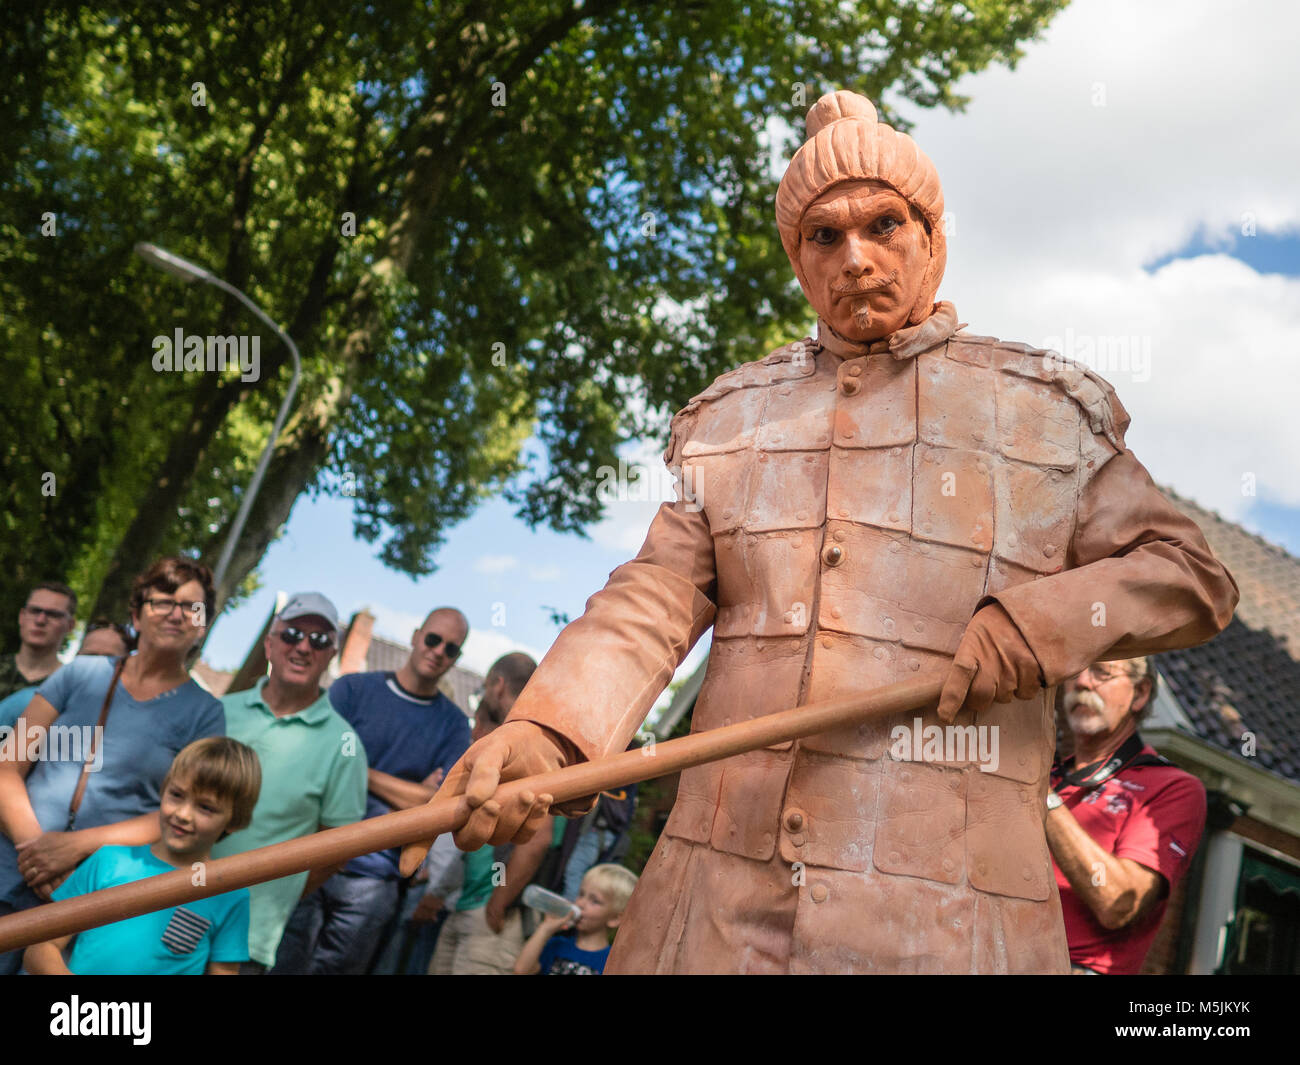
(77, 795)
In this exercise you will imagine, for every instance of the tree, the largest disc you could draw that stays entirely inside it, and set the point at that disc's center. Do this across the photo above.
(507, 238)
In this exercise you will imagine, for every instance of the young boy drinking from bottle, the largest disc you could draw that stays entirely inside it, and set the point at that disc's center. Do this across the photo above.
(209, 792)
(562, 946)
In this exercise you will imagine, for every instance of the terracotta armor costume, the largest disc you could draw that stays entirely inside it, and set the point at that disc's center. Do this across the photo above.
(846, 509)
(829, 560)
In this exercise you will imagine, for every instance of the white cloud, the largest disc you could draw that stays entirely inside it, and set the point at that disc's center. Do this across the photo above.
(545, 573)
(1058, 204)
(495, 563)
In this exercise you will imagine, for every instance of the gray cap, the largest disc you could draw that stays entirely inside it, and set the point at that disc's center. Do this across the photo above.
(310, 604)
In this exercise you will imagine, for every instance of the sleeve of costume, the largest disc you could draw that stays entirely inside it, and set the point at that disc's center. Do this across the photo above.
(1140, 577)
(1165, 831)
(606, 669)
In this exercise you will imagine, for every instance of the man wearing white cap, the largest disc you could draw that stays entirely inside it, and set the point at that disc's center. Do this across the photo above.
(313, 764)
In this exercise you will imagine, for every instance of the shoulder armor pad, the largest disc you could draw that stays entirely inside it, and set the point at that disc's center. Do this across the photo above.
(1106, 415)
(785, 363)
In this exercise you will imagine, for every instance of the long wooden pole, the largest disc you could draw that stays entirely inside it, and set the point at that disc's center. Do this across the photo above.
(337, 845)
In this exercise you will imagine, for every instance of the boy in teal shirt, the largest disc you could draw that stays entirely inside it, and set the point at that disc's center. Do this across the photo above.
(210, 790)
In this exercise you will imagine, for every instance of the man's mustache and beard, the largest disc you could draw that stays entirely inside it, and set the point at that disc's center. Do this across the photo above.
(1085, 709)
(864, 316)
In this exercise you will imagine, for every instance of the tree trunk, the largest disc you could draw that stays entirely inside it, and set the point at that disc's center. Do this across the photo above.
(140, 543)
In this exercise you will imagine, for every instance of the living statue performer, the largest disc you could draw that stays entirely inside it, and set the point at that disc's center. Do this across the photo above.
(891, 501)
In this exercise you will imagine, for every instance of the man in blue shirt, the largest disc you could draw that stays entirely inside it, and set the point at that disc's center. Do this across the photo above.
(412, 735)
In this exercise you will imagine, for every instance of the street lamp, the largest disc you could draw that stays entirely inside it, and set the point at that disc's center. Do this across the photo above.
(189, 272)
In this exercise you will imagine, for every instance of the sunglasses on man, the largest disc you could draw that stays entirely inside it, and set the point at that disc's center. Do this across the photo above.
(433, 641)
(319, 641)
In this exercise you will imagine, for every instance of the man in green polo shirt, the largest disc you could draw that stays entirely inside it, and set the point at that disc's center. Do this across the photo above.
(313, 764)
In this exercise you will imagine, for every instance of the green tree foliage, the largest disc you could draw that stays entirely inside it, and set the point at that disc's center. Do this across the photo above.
(506, 237)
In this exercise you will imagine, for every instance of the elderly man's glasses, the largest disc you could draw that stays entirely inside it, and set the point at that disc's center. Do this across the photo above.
(319, 641)
(1102, 672)
(433, 641)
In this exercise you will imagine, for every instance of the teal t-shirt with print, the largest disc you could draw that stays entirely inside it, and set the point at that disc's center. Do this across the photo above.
(178, 941)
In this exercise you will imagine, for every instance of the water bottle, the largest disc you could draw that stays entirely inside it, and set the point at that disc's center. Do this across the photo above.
(538, 898)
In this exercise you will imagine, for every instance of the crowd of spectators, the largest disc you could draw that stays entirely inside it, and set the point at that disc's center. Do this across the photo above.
(117, 765)
(150, 773)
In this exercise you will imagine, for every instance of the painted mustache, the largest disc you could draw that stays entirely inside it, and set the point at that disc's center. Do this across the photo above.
(863, 287)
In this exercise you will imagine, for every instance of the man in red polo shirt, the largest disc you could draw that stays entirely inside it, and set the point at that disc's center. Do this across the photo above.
(1122, 822)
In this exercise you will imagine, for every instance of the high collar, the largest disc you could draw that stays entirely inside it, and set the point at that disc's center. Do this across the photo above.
(905, 343)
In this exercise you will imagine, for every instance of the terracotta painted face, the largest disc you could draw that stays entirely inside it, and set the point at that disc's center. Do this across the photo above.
(863, 254)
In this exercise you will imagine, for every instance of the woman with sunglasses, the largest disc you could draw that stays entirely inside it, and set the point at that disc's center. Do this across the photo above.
(118, 723)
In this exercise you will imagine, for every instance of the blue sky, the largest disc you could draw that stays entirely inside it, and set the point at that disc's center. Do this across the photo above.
(1104, 188)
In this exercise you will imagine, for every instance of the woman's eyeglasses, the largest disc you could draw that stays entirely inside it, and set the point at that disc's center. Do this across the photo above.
(163, 607)
(432, 641)
(319, 641)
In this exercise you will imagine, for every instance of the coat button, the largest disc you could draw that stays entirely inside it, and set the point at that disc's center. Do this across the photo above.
(793, 820)
(836, 612)
(851, 386)
(819, 893)
(833, 556)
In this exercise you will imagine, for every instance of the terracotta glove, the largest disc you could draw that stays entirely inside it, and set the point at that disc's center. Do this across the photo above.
(993, 663)
(513, 750)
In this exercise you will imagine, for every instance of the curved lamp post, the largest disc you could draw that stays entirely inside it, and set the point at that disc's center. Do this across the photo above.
(189, 272)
